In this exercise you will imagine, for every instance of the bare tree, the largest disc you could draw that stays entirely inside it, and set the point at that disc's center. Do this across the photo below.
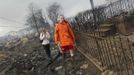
(35, 18)
(54, 10)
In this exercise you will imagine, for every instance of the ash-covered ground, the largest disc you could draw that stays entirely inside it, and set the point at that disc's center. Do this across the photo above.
(27, 57)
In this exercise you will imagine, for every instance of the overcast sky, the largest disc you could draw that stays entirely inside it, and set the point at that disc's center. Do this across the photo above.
(13, 12)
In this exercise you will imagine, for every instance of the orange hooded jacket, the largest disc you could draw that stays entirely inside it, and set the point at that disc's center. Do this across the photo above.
(63, 34)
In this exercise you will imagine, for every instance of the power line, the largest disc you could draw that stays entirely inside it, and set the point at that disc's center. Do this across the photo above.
(12, 26)
(3, 18)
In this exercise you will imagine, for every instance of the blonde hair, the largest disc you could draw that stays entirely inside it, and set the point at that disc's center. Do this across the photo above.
(59, 17)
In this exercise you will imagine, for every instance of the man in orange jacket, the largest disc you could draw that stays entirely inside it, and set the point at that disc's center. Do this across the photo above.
(64, 36)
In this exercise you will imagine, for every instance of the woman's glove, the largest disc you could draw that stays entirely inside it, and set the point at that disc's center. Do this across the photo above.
(59, 48)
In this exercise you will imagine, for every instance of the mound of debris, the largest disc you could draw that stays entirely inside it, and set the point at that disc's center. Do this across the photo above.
(27, 57)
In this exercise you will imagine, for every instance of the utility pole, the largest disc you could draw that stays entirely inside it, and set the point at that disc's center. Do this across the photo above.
(92, 8)
(92, 4)
(35, 21)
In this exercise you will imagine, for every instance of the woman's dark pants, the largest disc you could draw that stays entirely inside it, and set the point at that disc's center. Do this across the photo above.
(48, 52)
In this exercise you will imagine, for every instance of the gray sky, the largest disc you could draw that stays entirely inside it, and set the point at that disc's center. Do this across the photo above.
(13, 12)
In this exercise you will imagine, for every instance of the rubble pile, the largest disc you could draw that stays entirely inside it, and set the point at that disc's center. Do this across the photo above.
(27, 57)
